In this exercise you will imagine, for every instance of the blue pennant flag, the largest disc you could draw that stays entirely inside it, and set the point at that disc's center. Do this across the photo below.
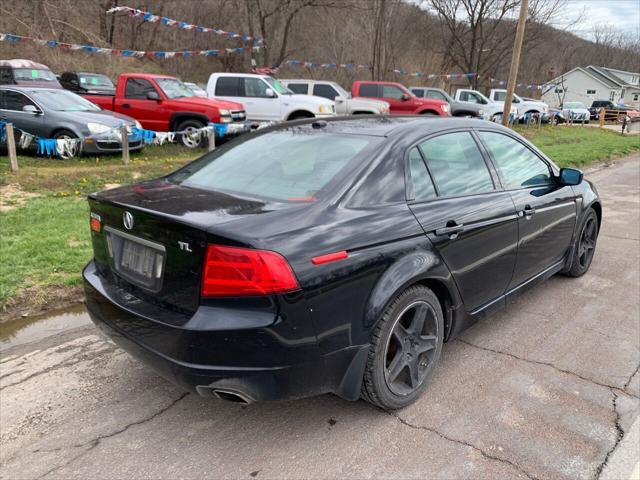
(47, 146)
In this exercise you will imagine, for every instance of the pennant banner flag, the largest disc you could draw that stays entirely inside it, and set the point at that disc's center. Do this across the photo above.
(169, 22)
(8, 37)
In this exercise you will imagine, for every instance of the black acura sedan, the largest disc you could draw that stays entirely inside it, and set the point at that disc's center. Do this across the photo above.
(331, 256)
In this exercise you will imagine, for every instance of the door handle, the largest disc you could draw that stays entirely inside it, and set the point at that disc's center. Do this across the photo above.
(528, 211)
(126, 105)
(452, 230)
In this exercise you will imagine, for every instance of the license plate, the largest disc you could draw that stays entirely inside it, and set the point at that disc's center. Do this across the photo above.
(138, 258)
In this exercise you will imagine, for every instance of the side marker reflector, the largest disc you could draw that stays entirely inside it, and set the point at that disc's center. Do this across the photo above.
(329, 257)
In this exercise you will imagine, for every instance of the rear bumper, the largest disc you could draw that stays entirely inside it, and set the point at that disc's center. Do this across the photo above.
(254, 362)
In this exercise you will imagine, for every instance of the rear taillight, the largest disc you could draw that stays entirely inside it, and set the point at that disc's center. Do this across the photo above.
(232, 271)
(95, 222)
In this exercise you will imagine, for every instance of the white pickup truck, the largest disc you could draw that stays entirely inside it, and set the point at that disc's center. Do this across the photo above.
(265, 99)
(497, 95)
(491, 109)
(345, 103)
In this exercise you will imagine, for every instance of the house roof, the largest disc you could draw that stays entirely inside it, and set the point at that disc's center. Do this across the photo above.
(605, 77)
(599, 77)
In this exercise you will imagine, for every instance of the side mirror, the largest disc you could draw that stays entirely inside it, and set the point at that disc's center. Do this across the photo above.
(405, 97)
(31, 109)
(153, 96)
(270, 93)
(570, 176)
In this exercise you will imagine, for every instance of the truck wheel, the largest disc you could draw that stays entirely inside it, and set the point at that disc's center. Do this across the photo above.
(190, 138)
(300, 115)
(405, 348)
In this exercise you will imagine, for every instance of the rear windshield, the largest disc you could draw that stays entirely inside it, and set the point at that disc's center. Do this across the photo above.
(95, 80)
(291, 165)
(32, 74)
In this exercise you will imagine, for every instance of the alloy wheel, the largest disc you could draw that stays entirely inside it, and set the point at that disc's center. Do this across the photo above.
(587, 245)
(411, 347)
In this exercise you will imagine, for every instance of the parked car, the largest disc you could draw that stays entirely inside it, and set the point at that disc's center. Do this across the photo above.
(594, 110)
(570, 111)
(458, 109)
(87, 82)
(163, 103)
(57, 113)
(524, 107)
(27, 73)
(266, 99)
(345, 103)
(331, 255)
(197, 89)
(491, 108)
(401, 101)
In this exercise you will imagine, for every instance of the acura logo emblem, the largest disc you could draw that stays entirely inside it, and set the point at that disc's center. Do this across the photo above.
(127, 219)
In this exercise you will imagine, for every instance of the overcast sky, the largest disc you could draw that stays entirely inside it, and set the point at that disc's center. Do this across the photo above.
(623, 14)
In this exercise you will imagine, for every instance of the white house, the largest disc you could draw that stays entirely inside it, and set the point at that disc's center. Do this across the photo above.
(586, 84)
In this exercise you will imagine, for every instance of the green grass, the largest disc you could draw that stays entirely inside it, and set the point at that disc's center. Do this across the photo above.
(44, 241)
(579, 146)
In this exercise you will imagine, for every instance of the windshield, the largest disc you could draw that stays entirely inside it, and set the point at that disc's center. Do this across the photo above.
(95, 81)
(277, 86)
(27, 74)
(574, 105)
(64, 101)
(291, 165)
(174, 88)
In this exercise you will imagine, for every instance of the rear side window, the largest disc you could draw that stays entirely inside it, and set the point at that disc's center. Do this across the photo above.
(326, 91)
(391, 91)
(302, 88)
(5, 76)
(137, 88)
(519, 166)
(228, 87)
(457, 165)
(369, 90)
(420, 179)
(284, 165)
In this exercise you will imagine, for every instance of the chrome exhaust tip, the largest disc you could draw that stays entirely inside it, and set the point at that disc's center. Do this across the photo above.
(231, 396)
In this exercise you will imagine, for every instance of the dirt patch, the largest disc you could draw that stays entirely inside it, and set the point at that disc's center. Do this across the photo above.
(108, 186)
(35, 300)
(12, 196)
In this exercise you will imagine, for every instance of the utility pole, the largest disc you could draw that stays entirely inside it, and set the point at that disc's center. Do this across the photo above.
(515, 61)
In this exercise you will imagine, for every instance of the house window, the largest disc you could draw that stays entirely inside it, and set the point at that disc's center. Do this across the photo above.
(636, 97)
(591, 92)
(612, 95)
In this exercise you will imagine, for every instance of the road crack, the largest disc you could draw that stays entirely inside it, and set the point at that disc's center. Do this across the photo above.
(93, 443)
(628, 382)
(485, 454)
(619, 436)
(548, 364)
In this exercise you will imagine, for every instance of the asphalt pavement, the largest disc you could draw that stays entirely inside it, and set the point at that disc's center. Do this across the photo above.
(545, 389)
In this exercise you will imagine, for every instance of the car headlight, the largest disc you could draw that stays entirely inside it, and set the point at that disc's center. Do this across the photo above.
(325, 109)
(138, 124)
(95, 128)
(224, 112)
(445, 107)
(481, 113)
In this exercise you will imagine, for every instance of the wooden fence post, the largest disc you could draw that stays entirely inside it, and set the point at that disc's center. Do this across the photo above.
(11, 146)
(125, 144)
(601, 117)
(211, 135)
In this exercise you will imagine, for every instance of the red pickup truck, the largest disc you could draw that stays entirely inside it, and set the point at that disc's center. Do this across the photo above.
(165, 104)
(401, 101)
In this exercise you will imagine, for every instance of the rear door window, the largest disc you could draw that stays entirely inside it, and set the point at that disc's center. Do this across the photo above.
(421, 183)
(301, 88)
(326, 91)
(457, 165)
(228, 87)
(369, 90)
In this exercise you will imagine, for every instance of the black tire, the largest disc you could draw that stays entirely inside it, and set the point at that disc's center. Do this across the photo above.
(585, 245)
(388, 381)
(300, 115)
(64, 134)
(429, 114)
(189, 141)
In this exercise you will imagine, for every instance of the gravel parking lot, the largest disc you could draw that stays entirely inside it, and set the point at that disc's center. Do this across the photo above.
(544, 389)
